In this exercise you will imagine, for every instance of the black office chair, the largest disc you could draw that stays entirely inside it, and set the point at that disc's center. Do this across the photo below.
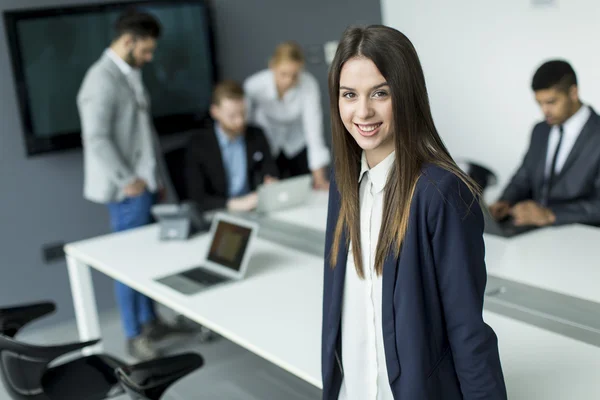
(483, 176)
(150, 379)
(28, 375)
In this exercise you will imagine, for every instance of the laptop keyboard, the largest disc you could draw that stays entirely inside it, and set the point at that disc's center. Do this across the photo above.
(203, 276)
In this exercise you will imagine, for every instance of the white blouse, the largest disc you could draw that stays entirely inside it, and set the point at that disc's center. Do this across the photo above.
(292, 123)
(363, 355)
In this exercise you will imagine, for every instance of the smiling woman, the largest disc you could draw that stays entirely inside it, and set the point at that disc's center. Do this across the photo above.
(404, 268)
(366, 110)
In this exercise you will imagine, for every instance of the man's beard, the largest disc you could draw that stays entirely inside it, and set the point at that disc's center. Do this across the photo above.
(130, 59)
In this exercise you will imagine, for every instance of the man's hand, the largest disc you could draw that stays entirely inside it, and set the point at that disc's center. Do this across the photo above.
(161, 195)
(135, 188)
(500, 210)
(320, 182)
(269, 179)
(531, 213)
(243, 203)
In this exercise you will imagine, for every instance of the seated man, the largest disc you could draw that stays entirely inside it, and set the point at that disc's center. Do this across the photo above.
(228, 160)
(559, 180)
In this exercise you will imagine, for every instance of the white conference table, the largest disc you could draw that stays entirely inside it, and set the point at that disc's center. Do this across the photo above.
(276, 311)
(563, 259)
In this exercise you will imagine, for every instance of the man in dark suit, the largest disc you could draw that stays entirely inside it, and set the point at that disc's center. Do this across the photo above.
(228, 160)
(559, 180)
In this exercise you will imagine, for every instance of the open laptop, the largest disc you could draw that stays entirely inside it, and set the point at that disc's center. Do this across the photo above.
(284, 194)
(227, 257)
(504, 228)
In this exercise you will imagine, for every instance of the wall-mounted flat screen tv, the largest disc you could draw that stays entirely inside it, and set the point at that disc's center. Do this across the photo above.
(52, 48)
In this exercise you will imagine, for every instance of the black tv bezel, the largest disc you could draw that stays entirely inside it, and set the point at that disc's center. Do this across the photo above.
(35, 145)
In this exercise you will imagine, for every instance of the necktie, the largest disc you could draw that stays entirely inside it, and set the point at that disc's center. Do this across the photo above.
(552, 174)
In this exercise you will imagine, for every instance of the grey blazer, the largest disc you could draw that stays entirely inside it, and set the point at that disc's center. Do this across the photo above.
(119, 140)
(575, 193)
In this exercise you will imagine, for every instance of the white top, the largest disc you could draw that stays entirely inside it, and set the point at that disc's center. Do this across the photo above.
(363, 354)
(291, 123)
(571, 130)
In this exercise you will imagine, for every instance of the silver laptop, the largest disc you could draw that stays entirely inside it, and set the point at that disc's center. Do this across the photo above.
(226, 259)
(286, 193)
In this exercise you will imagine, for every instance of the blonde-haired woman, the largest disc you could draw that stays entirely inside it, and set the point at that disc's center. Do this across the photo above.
(285, 101)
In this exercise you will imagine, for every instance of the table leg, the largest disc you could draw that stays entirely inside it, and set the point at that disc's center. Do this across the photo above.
(84, 301)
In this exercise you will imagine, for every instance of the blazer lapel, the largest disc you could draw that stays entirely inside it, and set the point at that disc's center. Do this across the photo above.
(117, 73)
(251, 164)
(220, 178)
(339, 278)
(390, 273)
(587, 131)
(540, 168)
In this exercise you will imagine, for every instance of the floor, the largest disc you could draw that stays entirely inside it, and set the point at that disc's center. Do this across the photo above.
(230, 372)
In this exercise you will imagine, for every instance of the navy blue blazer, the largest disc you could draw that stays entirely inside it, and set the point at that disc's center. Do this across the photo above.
(437, 345)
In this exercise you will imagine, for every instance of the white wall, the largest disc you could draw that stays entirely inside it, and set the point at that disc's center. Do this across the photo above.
(479, 57)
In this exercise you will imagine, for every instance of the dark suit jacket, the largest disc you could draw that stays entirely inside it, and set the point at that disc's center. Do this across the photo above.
(575, 193)
(205, 172)
(437, 345)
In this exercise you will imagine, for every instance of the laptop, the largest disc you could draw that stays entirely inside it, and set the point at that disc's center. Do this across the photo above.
(226, 259)
(283, 194)
(504, 228)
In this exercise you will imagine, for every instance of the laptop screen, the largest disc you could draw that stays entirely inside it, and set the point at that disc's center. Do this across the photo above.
(229, 245)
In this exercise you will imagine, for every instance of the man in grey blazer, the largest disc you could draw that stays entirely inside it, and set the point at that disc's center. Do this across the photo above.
(121, 158)
(559, 180)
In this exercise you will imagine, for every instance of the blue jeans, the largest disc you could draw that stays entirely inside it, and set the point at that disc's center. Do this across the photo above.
(136, 309)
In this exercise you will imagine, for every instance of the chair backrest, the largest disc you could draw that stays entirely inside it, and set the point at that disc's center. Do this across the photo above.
(22, 365)
(21, 368)
(13, 318)
(483, 176)
(149, 380)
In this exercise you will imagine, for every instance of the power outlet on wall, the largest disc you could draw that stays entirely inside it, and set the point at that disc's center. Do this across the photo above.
(53, 252)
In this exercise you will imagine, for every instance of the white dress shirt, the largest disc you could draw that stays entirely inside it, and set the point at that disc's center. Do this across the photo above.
(147, 164)
(571, 130)
(363, 355)
(291, 123)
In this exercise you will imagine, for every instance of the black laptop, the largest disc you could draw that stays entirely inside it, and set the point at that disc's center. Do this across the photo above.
(504, 228)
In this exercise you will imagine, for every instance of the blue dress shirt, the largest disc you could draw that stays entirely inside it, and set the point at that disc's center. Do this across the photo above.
(233, 152)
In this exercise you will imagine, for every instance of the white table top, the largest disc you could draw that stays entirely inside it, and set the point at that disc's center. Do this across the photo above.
(539, 364)
(561, 259)
(312, 214)
(276, 312)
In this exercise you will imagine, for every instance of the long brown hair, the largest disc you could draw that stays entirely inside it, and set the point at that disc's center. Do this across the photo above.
(415, 137)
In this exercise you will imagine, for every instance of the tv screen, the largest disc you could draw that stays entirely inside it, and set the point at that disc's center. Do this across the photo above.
(52, 49)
